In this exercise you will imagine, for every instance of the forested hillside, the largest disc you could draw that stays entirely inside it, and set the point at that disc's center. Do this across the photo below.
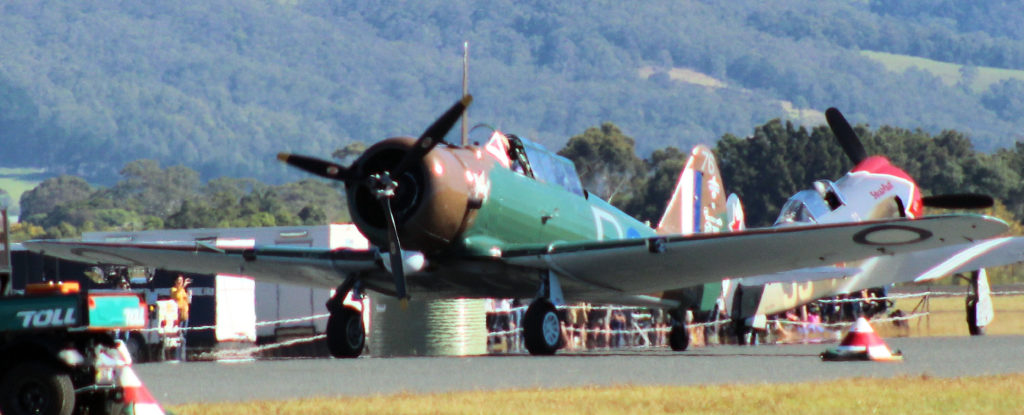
(221, 86)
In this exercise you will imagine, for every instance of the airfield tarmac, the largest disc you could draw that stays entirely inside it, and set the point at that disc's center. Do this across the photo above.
(194, 382)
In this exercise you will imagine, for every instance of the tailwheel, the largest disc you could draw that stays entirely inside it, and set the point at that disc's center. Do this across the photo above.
(679, 337)
(542, 330)
(346, 335)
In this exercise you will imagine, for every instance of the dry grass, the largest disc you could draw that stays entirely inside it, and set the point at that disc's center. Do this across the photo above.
(988, 395)
(949, 73)
(947, 317)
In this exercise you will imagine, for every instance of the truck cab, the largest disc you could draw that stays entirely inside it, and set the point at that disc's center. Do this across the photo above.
(58, 352)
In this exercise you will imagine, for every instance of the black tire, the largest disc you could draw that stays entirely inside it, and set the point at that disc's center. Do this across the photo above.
(740, 331)
(346, 335)
(137, 348)
(679, 337)
(542, 330)
(35, 387)
(972, 319)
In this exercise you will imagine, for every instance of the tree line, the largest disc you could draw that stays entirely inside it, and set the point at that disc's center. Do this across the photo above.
(764, 169)
(780, 159)
(153, 197)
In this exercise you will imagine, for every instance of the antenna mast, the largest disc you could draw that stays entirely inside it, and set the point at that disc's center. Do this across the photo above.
(465, 90)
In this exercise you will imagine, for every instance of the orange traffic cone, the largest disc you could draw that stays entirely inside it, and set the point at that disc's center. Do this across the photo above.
(862, 343)
(136, 396)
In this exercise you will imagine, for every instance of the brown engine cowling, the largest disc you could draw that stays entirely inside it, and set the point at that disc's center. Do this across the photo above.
(430, 202)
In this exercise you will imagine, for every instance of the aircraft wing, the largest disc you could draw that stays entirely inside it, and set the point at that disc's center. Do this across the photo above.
(936, 263)
(588, 269)
(920, 266)
(277, 264)
(654, 264)
(801, 275)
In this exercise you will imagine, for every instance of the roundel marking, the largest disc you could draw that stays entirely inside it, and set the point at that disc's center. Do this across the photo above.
(887, 235)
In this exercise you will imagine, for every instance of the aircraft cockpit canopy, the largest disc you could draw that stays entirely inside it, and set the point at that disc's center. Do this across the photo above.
(807, 206)
(551, 168)
(802, 208)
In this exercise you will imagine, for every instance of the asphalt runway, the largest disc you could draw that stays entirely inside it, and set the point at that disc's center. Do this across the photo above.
(192, 382)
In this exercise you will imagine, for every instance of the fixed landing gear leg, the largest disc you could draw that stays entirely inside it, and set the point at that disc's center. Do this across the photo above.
(743, 333)
(346, 335)
(979, 303)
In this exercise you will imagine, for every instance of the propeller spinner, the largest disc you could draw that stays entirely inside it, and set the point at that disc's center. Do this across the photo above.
(383, 183)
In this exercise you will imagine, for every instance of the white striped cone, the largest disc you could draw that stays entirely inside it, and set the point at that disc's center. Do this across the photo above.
(136, 396)
(862, 340)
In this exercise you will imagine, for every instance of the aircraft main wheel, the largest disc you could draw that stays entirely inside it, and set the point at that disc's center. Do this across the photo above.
(36, 388)
(346, 335)
(542, 330)
(679, 337)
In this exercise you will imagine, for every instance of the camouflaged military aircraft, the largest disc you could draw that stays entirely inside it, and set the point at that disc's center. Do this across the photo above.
(510, 219)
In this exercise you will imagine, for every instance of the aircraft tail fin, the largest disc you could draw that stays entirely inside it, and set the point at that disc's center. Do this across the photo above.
(735, 219)
(698, 202)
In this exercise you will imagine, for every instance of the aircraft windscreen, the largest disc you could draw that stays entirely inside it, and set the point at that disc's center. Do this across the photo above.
(552, 168)
(803, 208)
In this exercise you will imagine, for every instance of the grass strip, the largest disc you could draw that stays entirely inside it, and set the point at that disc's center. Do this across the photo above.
(903, 395)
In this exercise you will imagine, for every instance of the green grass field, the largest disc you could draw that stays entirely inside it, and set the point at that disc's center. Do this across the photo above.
(948, 72)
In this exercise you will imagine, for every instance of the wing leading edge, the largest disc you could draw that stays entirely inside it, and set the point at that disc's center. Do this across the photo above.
(589, 269)
(654, 264)
(277, 264)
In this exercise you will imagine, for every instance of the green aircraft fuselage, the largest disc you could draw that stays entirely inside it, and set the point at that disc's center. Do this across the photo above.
(465, 202)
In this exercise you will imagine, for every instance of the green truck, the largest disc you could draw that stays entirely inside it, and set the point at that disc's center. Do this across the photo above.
(58, 349)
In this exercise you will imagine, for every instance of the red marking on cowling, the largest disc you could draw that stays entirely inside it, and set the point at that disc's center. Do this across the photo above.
(882, 165)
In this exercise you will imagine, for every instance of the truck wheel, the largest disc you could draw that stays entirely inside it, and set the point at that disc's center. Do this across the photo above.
(136, 348)
(36, 388)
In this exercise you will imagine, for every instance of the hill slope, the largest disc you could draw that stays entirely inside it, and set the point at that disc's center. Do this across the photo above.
(222, 86)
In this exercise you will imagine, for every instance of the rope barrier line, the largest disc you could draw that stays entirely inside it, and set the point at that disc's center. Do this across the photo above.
(258, 324)
(637, 329)
(248, 352)
(611, 308)
(916, 295)
(850, 323)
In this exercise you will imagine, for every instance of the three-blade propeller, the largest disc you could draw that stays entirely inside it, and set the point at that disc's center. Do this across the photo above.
(384, 183)
(855, 151)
